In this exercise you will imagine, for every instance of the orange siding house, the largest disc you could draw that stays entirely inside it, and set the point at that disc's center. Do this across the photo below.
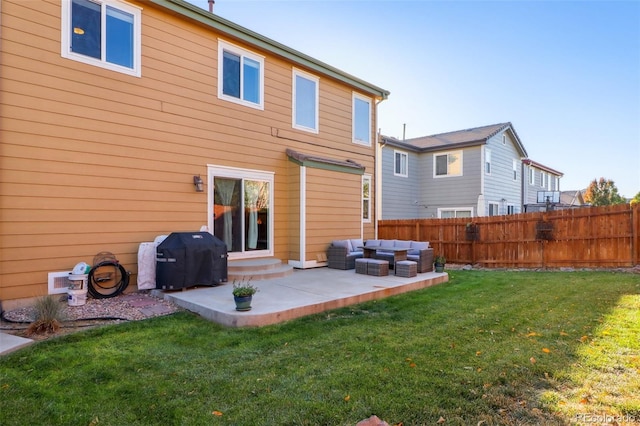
(110, 109)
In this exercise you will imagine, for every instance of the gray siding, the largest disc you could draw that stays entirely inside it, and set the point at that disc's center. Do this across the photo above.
(543, 181)
(400, 195)
(499, 185)
(452, 191)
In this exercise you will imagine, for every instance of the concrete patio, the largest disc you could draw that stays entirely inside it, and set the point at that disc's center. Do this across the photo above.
(304, 292)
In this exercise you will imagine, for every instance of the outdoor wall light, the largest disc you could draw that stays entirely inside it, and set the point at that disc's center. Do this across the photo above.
(197, 182)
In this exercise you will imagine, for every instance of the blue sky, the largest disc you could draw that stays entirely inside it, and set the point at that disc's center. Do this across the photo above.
(566, 74)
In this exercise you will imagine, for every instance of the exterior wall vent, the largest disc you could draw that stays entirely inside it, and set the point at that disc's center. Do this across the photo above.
(58, 282)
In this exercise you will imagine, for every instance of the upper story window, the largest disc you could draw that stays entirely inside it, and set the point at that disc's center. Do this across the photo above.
(101, 33)
(400, 164)
(515, 169)
(542, 176)
(305, 101)
(487, 161)
(532, 177)
(240, 75)
(366, 198)
(504, 139)
(447, 164)
(361, 119)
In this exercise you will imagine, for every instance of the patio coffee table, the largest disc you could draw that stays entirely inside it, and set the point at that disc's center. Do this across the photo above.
(398, 253)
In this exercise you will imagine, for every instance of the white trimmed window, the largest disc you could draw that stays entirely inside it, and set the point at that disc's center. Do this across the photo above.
(511, 209)
(493, 209)
(305, 101)
(542, 176)
(455, 212)
(532, 177)
(504, 139)
(366, 198)
(361, 119)
(515, 169)
(447, 164)
(400, 164)
(487, 161)
(240, 76)
(103, 34)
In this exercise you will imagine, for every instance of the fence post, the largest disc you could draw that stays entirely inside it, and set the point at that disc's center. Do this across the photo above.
(635, 237)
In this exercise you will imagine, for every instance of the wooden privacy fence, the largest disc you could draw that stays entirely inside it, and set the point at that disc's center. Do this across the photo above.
(587, 237)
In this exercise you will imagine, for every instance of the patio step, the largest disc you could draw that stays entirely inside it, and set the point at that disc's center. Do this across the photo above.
(257, 269)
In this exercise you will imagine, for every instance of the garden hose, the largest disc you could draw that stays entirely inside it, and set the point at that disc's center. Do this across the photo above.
(106, 281)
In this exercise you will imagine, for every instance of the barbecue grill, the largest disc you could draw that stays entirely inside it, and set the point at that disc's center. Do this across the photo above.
(189, 259)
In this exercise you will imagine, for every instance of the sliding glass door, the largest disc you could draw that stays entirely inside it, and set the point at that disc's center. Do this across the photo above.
(241, 211)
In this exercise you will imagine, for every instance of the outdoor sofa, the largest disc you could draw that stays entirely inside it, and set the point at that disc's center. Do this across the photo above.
(342, 254)
(418, 251)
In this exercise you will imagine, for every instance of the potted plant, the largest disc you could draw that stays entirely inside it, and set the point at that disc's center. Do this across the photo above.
(243, 292)
(439, 262)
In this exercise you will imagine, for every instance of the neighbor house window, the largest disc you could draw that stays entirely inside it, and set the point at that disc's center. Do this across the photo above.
(542, 176)
(366, 198)
(101, 33)
(240, 75)
(493, 209)
(504, 139)
(456, 212)
(532, 177)
(557, 181)
(401, 164)
(361, 120)
(487, 161)
(447, 164)
(515, 169)
(511, 209)
(305, 101)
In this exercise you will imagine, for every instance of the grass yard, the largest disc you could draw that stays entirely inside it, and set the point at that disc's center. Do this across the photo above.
(485, 348)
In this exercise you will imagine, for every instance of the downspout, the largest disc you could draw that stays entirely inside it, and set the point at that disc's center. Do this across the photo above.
(378, 172)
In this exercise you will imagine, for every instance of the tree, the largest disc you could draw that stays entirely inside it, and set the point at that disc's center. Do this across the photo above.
(636, 199)
(603, 192)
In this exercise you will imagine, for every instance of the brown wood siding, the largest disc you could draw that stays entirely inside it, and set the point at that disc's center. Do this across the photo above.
(93, 160)
(333, 209)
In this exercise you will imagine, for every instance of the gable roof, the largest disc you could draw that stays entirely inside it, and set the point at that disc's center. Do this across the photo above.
(572, 198)
(233, 30)
(537, 165)
(457, 139)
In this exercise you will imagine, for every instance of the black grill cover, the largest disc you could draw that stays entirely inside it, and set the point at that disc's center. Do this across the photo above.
(187, 259)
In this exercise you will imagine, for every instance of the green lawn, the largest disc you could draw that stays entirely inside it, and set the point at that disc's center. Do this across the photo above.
(485, 348)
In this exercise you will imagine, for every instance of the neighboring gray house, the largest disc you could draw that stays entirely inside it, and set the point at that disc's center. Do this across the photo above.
(538, 179)
(466, 173)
